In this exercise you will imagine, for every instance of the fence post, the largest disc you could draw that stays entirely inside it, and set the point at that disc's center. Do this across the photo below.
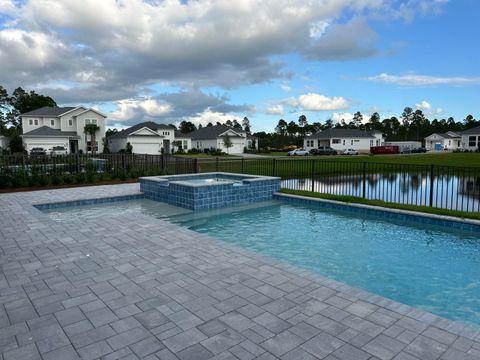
(146, 161)
(313, 175)
(364, 179)
(216, 165)
(77, 159)
(432, 174)
(243, 165)
(273, 166)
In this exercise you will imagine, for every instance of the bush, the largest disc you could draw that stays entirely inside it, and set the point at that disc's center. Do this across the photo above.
(194, 151)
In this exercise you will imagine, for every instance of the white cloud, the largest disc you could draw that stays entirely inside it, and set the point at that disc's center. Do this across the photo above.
(209, 116)
(285, 87)
(275, 110)
(427, 108)
(423, 80)
(317, 102)
(128, 109)
(338, 117)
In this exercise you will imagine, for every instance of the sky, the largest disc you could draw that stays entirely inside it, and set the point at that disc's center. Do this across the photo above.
(216, 60)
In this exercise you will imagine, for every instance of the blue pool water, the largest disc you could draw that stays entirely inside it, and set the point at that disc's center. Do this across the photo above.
(425, 266)
(419, 265)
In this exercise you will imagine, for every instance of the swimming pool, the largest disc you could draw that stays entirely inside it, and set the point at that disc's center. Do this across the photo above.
(422, 265)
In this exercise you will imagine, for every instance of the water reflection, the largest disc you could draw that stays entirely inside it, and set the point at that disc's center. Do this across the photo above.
(449, 192)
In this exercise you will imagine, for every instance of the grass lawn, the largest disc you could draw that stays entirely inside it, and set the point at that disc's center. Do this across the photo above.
(357, 200)
(204, 156)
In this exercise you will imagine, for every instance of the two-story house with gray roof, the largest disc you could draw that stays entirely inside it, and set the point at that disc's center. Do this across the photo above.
(341, 139)
(62, 126)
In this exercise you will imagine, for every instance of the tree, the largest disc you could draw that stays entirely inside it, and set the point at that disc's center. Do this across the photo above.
(106, 147)
(358, 119)
(129, 148)
(292, 128)
(229, 123)
(236, 125)
(16, 143)
(302, 120)
(187, 126)
(227, 142)
(373, 122)
(110, 132)
(209, 124)
(281, 127)
(246, 124)
(178, 144)
(91, 129)
(407, 116)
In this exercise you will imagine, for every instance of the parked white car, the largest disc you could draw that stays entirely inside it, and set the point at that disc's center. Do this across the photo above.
(349, 152)
(298, 152)
(58, 150)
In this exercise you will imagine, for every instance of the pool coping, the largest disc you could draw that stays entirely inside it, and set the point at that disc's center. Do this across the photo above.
(431, 330)
(410, 213)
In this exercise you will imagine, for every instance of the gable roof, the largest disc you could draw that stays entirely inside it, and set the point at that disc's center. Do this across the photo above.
(48, 131)
(49, 111)
(148, 124)
(341, 133)
(95, 111)
(446, 135)
(475, 130)
(212, 132)
(179, 134)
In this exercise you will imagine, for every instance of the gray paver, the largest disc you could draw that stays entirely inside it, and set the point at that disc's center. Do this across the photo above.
(134, 288)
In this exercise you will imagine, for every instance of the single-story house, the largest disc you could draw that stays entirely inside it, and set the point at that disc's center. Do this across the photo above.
(471, 139)
(341, 139)
(444, 141)
(213, 137)
(48, 126)
(147, 138)
(182, 141)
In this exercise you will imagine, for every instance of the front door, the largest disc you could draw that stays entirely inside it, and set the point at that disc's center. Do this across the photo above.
(166, 146)
(73, 146)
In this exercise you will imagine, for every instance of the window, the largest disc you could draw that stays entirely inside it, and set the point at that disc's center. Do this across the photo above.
(36, 122)
(185, 144)
(357, 140)
(90, 121)
(70, 122)
(52, 122)
(471, 141)
(166, 133)
(343, 142)
(335, 141)
(371, 142)
(351, 142)
(30, 122)
(87, 121)
(89, 146)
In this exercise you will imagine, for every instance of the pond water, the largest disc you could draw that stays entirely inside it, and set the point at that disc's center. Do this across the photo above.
(449, 192)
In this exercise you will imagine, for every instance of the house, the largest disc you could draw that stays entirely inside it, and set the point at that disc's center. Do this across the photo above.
(444, 141)
(340, 139)
(213, 137)
(62, 126)
(471, 139)
(148, 138)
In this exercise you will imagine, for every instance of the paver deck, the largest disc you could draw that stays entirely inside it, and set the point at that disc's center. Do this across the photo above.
(124, 287)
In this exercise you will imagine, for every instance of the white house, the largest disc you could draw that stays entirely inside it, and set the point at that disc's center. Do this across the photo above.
(61, 126)
(213, 137)
(340, 139)
(149, 138)
(471, 139)
(443, 141)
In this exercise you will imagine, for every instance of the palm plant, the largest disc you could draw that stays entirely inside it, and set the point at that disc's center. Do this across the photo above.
(91, 130)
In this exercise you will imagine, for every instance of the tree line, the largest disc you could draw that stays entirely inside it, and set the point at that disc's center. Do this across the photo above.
(412, 125)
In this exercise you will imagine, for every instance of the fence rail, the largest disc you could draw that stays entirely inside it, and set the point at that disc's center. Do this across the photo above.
(447, 187)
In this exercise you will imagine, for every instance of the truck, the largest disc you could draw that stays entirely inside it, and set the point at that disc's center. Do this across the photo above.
(379, 150)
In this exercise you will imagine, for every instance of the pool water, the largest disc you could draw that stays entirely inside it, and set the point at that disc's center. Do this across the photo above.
(421, 265)
(211, 181)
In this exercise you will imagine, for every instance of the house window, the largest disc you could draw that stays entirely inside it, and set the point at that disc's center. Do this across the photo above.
(30, 122)
(458, 143)
(36, 122)
(343, 142)
(335, 141)
(185, 145)
(70, 122)
(471, 141)
(357, 140)
(351, 142)
(52, 122)
(87, 121)
(371, 142)
(90, 121)
(89, 146)
(166, 133)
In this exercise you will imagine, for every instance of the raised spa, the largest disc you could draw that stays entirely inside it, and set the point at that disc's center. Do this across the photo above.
(209, 190)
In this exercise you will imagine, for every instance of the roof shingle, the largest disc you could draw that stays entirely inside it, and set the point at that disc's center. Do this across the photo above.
(49, 111)
(48, 131)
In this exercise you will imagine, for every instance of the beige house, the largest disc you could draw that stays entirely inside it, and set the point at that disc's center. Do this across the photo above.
(62, 126)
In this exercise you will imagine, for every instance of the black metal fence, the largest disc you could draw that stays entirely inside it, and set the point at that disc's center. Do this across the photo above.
(447, 187)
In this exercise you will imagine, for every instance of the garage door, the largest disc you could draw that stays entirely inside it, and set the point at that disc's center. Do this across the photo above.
(237, 148)
(142, 148)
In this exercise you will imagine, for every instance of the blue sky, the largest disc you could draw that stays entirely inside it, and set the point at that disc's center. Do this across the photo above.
(213, 61)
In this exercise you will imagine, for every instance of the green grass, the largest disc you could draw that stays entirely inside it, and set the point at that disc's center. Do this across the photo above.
(357, 200)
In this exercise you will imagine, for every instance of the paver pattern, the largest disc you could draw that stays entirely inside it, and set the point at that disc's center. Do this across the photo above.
(124, 287)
